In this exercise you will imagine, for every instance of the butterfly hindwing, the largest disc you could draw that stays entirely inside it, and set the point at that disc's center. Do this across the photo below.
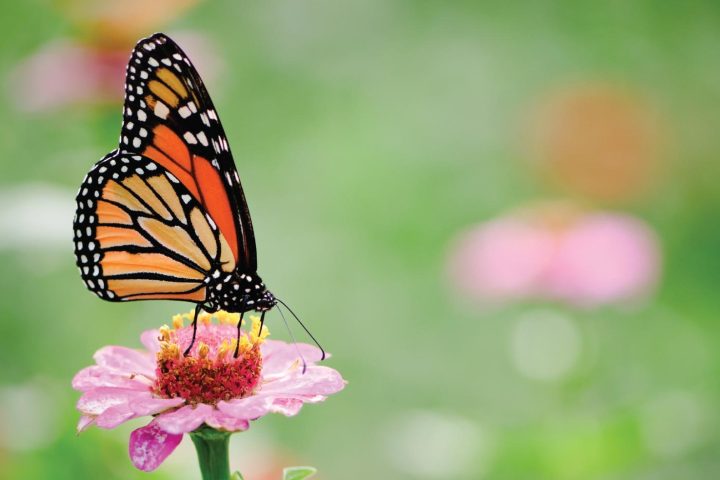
(140, 234)
(168, 117)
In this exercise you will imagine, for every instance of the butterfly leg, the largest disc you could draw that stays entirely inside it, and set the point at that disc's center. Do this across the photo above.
(262, 322)
(237, 344)
(194, 324)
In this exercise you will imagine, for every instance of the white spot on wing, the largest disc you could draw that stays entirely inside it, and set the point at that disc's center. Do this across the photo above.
(161, 110)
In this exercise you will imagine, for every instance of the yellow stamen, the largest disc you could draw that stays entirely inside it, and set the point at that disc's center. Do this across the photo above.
(245, 345)
(255, 335)
(164, 333)
(178, 322)
(169, 350)
(203, 350)
(223, 350)
(227, 318)
(205, 318)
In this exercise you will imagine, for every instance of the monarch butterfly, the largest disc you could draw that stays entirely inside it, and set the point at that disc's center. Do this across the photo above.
(163, 216)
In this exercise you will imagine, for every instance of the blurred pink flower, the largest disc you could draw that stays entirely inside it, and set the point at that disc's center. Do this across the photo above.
(90, 69)
(66, 72)
(585, 259)
(209, 387)
(119, 22)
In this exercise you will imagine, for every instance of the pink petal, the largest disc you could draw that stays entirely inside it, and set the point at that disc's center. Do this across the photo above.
(287, 394)
(84, 422)
(114, 416)
(150, 446)
(501, 260)
(96, 376)
(151, 406)
(135, 407)
(624, 263)
(96, 401)
(287, 406)
(248, 408)
(229, 423)
(252, 408)
(185, 419)
(279, 356)
(149, 339)
(125, 360)
(317, 380)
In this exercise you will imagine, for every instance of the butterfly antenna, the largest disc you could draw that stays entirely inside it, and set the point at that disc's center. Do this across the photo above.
(194, 324)
(304, 363)
(304, 328)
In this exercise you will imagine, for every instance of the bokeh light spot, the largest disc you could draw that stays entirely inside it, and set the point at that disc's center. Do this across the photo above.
(545, 345)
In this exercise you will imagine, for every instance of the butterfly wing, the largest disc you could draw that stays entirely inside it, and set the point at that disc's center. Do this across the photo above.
(169, 118)
(141, 234)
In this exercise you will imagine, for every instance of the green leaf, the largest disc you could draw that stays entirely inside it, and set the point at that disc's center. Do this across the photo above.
(237, 476)
(298, 473)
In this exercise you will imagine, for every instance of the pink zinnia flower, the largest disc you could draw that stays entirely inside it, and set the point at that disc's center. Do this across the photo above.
(210, 387)
(557, 253)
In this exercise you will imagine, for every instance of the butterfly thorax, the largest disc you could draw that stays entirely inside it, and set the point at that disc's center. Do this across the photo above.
(237, 292)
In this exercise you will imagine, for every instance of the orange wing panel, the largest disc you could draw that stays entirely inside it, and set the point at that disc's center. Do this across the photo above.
(196, 296)
(216, 200)
(180, 173)
(121, 262)
(124, 287)
(168, 141)
(108, 214)
(119, 236)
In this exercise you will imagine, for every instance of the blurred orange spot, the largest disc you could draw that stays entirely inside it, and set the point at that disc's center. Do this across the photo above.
(598, 142)
(119, 24)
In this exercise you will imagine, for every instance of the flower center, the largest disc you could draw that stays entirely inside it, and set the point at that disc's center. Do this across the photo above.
(210, 373)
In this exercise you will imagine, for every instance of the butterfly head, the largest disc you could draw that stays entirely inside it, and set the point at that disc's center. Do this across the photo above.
(237, 292)
(266, 302)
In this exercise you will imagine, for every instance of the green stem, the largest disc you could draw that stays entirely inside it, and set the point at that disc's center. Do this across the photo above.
(212, 450)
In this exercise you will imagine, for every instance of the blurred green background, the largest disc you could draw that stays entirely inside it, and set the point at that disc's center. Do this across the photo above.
(368, 134)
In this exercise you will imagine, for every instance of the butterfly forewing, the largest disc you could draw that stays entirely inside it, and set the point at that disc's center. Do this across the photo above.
(140, 233)
(169, 118)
